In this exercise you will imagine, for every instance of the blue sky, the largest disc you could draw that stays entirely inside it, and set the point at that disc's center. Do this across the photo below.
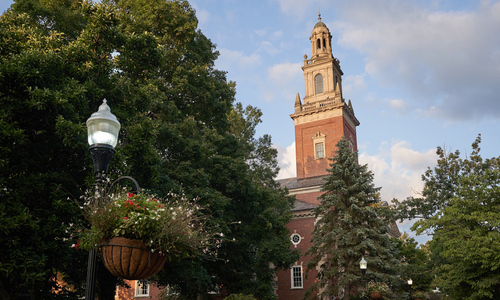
(420, 74)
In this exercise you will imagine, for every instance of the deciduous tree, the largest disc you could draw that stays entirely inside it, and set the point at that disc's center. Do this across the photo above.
(181, 131)
(460, 208)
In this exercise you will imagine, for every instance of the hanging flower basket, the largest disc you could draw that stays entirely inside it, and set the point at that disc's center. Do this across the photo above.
(131, 259)
(418, 295)
(135, 229)
(376, 295)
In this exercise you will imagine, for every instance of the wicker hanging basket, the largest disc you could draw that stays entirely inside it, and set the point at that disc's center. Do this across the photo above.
(376, 295)
(131, 259)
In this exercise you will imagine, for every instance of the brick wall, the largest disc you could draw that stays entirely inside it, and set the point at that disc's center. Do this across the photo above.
(334, 129)
(311, 198)
(304, 227)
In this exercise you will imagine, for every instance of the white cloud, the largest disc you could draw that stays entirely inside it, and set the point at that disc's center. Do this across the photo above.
(286, 161)
(296, 7)
(277, 33)
(299, 8)
(268, 95)
(353, 83)
(448, 61)
(203, 16)
(229, 58)
(282, 73)
(269, 47)
(398, 105)
(398, 169)
(260, 32)
(282, 81)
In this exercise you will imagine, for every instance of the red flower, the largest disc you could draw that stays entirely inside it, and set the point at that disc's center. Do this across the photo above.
(126, 218)
(130, 195)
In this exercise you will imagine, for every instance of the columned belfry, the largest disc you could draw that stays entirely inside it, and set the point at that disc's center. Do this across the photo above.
(322, 118)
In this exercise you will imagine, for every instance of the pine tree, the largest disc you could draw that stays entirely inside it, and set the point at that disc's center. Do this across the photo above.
(348, 227)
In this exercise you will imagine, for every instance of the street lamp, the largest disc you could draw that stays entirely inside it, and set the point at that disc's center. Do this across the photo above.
(363, 265)
(410, 282)
(102, 129)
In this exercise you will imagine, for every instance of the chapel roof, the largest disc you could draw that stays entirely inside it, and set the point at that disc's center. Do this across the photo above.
(297, 183)
(301, 205)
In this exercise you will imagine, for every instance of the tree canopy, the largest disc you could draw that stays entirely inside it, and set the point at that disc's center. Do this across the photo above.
(182, 131)
(460, 207)
(414, 264)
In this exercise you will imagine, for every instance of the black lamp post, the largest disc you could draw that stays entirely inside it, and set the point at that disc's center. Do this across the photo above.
(103, 129)
(363, 265)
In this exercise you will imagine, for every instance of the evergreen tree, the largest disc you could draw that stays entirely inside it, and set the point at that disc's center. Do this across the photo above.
(348, 228)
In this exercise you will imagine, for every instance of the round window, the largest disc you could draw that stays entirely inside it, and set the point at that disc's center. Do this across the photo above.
(295, 238)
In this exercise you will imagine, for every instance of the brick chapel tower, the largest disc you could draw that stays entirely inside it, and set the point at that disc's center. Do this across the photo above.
(323, 117)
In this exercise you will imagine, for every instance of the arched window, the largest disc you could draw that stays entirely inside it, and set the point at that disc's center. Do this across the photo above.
(318, 84)
(318, 44)
(324, 44)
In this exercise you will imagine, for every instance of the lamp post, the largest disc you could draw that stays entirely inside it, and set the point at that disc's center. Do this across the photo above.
(410, 282)
(363, 265)
(102, 129)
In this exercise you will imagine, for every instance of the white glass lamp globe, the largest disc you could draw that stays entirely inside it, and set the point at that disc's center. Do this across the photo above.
(363, 264)
(103, 127)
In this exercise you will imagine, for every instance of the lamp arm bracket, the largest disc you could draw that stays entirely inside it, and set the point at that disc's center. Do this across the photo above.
(137, 188)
